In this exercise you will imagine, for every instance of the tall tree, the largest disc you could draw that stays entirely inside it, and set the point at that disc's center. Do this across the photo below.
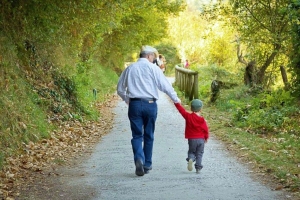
(187, 32)
(65, 29)
(200, 38)
(136, 28)
(263, 27)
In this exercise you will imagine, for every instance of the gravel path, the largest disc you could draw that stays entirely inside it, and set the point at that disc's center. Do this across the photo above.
(109, 172)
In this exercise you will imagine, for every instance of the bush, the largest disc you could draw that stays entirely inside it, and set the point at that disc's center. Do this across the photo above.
(268, 112)
(213, 72)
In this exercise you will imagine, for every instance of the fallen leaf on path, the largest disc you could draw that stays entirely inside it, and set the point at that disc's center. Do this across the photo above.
(279, 187)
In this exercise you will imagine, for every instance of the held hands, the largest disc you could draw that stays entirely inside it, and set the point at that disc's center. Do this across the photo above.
(178, 101)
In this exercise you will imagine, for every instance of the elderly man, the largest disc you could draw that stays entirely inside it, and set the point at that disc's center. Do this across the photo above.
(138, 87)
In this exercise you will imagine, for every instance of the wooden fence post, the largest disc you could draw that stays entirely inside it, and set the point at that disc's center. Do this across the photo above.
(187, 81)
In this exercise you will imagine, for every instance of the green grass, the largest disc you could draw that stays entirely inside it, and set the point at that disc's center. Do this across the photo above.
(102, 79)
(271, 143)
(22, 119)
(277, 154)
(24, 110)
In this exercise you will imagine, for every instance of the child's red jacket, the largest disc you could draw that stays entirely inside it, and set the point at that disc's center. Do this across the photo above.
(195, 125)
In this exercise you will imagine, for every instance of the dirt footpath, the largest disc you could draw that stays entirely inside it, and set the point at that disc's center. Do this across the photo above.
(108, 173)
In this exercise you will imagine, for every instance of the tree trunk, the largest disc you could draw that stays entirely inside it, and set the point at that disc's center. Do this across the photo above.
(249, 76)
(284, 77)
(215, 90)
(262, 70)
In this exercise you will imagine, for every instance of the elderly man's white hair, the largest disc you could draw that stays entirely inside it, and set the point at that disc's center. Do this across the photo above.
(149, 49)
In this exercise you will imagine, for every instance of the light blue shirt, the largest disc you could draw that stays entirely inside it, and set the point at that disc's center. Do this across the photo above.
(142, 79)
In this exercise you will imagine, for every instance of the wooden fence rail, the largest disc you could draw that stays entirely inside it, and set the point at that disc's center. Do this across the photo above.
(187, 81)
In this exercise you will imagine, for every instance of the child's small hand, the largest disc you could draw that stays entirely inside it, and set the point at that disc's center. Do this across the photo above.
(205, 140)
(179, 101)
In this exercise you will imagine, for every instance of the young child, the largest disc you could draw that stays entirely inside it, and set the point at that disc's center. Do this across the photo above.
(196, 131)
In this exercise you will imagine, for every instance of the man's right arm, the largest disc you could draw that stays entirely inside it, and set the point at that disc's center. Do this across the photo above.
(165, 86)
(121, 87)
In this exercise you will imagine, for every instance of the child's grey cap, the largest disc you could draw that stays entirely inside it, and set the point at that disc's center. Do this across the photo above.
(196, 105)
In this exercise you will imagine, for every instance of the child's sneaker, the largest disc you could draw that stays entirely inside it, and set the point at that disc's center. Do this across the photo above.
(190, 165)
(198, 170)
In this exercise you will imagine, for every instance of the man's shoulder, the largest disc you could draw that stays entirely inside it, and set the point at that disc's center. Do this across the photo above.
(138, 62)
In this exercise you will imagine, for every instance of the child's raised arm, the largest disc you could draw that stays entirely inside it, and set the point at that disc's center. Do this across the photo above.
(181, 110)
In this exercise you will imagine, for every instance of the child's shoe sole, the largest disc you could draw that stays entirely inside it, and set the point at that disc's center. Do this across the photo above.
(190, 165)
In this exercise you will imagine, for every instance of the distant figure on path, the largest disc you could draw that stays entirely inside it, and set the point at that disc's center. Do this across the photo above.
(187, 64)
(162, 63)
(138, 87)
(196, 131)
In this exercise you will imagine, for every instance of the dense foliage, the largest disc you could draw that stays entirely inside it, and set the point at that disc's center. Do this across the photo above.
(238, 35)
(295, 58)
(57, 58)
